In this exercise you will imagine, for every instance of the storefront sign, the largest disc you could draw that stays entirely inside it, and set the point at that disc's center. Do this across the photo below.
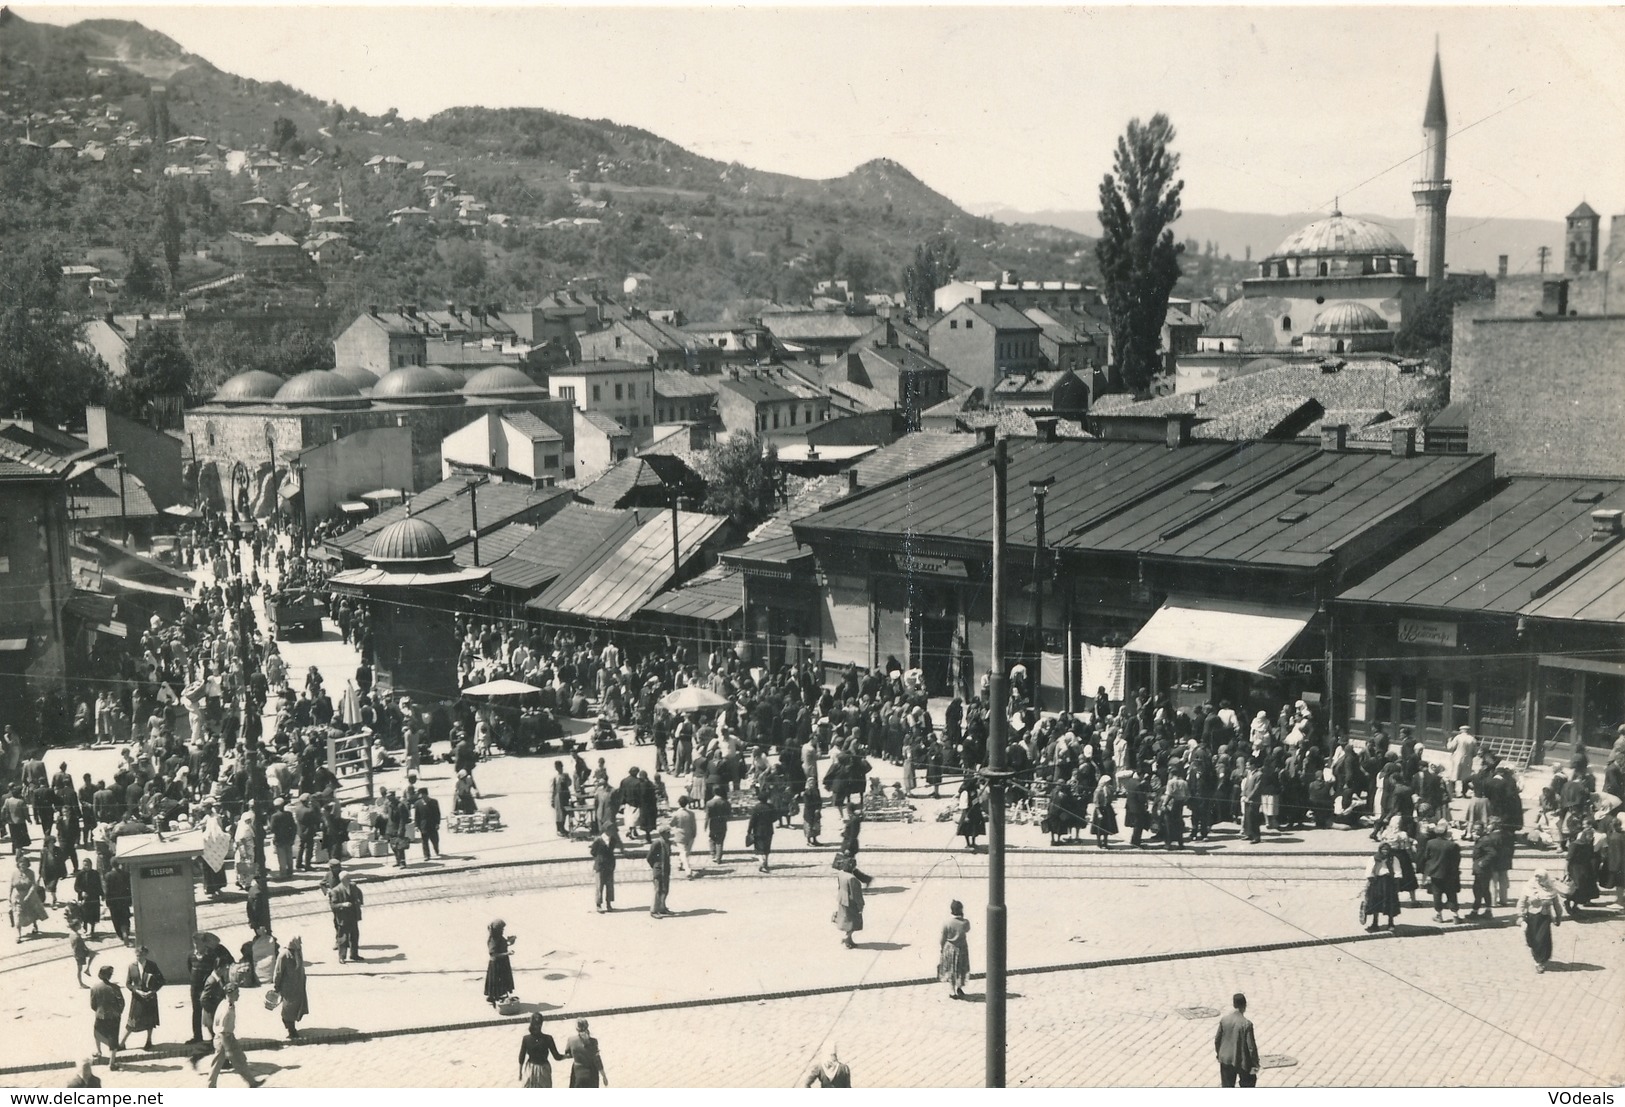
(1288, 666)
(930, 566)
(1421, 632)
(152, 871)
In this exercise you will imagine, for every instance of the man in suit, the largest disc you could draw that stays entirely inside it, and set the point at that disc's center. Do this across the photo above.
(426, 814)
(1236, 1048)
(660, 871)
(603, 867)
(559, 791)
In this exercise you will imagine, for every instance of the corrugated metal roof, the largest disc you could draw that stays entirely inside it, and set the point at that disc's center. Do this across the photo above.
(447, 506)
(715, 596)
(642, 471)
(94, 495)
(615, 586)
(576, 534)
(494, 546)
(910, 454)
(1471, 565)
(528, 423)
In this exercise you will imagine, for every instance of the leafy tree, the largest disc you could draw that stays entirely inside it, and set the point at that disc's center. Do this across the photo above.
(1139, 259)
(1429, 331)
(860, 270)
(826, 257)
(43, 371)
(169, 231)
(158, 365)
(284, 133)
(742, 478)
(142, 280)
(935, 262)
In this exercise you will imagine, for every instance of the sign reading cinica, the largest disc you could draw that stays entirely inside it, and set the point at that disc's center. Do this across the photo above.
(1423, 632)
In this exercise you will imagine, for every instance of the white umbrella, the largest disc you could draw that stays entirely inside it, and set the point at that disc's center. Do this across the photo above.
(501, 688)
(692, 698)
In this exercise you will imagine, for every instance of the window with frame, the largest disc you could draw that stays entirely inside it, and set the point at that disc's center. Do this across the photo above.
(596, 396)
(550, 461)
(1406, 687)
(1382, 698)
(618, 392)
(567, 391)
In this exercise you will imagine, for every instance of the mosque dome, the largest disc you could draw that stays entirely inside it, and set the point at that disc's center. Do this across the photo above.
(500, 380)
(254, 386)
(409, 541)
(1339, 234)
(356, 375)
(1346, 317)
(451, 376)
(318, 387)
(412, 382)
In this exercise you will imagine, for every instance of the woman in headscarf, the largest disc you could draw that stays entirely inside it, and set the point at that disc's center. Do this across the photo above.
(972, 820)
(1381, 895)
(1103, 824)
(537, 1052)
(288, 979)
(1580, 870)
(52, 868)
(27, 898)
(462, 794)
(499, 970)
(953, 964)
(1539, 909)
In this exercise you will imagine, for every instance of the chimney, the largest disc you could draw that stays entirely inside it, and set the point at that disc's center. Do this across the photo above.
(96, 428)
(1501, 266)
(400, 309)
(1403, 442)
(1334, 438)
(1607, 523)
(989, 434)
(812, 452)
(1177, 431)
(372, 310)
(451, 307)
(108, 318)
(1047, 430)
(852, 484)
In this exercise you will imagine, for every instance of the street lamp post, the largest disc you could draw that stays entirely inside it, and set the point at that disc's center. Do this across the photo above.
(997, 695)
(1040, 571)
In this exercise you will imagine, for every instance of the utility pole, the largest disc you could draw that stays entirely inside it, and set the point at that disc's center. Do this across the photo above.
(474, 515)
(1545, 252)
(676, 545)
(123, 511)
(997, 695)
(1040, 573)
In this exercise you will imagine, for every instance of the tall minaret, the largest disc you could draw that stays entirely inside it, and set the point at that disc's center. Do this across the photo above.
(1432, 192)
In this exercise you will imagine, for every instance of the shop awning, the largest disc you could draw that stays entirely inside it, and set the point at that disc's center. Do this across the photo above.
(13, 645)
(354, 507)
(1245, 637)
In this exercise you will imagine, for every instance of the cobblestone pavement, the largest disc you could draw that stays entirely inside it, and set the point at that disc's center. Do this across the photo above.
(1465, 1010)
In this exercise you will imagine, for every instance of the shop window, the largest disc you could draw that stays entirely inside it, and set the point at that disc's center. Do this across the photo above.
(1434, 719)
(1407, 695)
(1557, 703)
(1382, 698)
(1461, 705)
(1604, 707)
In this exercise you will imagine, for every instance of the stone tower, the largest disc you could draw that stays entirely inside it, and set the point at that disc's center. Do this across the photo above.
(1432, 191)
(1580, 240)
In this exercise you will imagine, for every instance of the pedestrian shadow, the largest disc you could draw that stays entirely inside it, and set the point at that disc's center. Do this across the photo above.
(981, 997)
(696, 911)
(149, 1067)
(382, 945)
(1572, 966)
(886, 890)
(528, 1007)
(391, 959)
(888, 947)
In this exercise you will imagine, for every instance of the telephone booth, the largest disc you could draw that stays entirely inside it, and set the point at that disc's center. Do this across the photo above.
(161, 883)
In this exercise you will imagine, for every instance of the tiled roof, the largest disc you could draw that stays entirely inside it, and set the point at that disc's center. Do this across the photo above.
(531, 425)
(616, 585)
(1268, 417)
(604, 423)
(1001, 316)
(577, 533)
(1367, 385)
(94, 496)
(674, 385)
(715, 596)
(26, 463)
(816, 326)
(1473, 565)
(657, 335)
(757, 390)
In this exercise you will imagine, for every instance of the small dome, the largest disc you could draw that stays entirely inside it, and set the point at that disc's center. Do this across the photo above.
(1346, 317)
(361, 378)
(1340, 234)
(411, 381)
(450, 376)
(410, 540)
(250, 387)
(318, 386)
(498, 380)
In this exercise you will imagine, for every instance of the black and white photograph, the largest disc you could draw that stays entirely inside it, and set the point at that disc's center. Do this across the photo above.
(937, 546)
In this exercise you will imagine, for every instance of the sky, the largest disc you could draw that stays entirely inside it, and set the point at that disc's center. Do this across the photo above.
(1277, 109)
